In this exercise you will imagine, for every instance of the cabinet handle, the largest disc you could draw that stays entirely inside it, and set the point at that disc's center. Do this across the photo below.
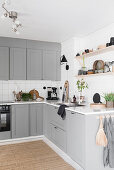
(55, 127)
(72, 113)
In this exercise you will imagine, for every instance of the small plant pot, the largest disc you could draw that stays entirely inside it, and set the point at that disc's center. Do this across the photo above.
(109, 104)
(82, 98)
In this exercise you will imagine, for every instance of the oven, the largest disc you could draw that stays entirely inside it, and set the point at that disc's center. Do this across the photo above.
(4, 118)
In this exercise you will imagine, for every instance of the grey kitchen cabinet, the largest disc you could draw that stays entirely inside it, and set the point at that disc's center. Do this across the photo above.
(4, 63)
(36, 119)
(51, 65)
(17, 64)
(34, 64)
(76, 137)
(54, 126)
(20, 121)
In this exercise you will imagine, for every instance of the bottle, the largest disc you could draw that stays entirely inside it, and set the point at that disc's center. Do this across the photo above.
(74, 99)
(34, 95)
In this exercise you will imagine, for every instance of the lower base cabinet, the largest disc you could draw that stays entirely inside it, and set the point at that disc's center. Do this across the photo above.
(36, 119)
(54, 127)
(76, 137)
(20, 121)
(58, 136)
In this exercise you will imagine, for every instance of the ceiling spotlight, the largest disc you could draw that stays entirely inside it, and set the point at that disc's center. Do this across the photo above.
(12, 15)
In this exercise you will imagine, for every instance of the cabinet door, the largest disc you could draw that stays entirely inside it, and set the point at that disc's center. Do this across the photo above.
(34, 64)
(4, 63)
(20, 121)
(36, 119)
(17, 64)
(49, 65)
(58, 136)
(76, 137)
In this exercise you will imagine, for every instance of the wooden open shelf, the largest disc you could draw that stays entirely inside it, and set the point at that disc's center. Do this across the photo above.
(97, 52)
(98, 74)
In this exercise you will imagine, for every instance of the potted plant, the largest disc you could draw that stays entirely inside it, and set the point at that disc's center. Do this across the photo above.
(81, 85)
(26, 96)
(109, 98)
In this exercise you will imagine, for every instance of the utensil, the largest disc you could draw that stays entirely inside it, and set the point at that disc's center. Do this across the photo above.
(101, 138)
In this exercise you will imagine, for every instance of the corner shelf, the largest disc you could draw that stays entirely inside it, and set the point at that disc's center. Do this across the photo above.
(98, 74)
(97, 52)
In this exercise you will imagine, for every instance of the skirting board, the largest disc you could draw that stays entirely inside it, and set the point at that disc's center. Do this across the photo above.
(21, 140)
(48, 142)
(62, 154)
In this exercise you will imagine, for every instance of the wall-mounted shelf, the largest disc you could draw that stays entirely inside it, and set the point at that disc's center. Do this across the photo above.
(97, 52)
(98, 74)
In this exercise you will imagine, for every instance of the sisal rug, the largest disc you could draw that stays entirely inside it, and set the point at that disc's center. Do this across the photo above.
(31, 156)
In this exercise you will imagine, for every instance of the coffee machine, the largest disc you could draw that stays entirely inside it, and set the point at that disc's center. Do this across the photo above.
(52, 93)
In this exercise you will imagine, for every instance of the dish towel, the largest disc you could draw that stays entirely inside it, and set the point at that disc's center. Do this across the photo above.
(108, 151)
(62, 112)
(111, 143)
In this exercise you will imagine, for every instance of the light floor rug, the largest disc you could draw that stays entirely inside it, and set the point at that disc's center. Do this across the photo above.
(31, 156)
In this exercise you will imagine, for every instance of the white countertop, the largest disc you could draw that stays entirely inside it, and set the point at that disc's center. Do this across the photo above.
(85, 110)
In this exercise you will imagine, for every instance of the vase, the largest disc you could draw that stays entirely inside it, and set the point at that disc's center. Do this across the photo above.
(109, 104)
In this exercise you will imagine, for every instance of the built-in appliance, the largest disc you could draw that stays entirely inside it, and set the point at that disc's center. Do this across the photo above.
(4, 118)
(52, 93)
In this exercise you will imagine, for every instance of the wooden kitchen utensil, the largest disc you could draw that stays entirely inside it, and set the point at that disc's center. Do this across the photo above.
(101, 138)
(36, 93)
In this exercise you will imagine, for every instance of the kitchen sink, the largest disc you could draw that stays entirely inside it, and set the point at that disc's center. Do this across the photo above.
(70, 104)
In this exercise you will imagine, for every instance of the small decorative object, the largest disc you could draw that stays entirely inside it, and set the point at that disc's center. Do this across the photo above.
(101, 46)
(98, 65)
(81, 85)
(109, 98)
(90, 71)
(74, 99)
(87, 51)
(107, 67)
(112, 40)
(77, 54)
(26, 96)
(17, 96)
(83, 70)
(112, 66)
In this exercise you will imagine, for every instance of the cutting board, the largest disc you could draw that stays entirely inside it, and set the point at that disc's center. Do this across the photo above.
(37, 94)
(98, 105)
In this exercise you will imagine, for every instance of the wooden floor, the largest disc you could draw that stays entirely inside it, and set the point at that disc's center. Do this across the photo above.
(31, 156)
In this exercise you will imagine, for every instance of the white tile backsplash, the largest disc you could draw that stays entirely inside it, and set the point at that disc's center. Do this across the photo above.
(7, 87)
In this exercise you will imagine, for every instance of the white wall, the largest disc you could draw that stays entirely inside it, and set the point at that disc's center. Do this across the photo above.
(98, 84)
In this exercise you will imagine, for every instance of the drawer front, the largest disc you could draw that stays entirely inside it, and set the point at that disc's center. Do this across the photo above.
(58, 136)
(56, 119)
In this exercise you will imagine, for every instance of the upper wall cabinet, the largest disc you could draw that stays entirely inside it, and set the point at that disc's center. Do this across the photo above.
(17, 64)
(51, 59)
(49, 65)
(4, 63)
(34, 64)
(29, 60)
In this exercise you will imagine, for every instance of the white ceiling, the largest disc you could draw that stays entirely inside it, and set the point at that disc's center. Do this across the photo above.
(58, 20)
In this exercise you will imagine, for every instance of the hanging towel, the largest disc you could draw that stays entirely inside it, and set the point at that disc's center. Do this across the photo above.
(106, 149)
(111, 143)
(61, 111)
